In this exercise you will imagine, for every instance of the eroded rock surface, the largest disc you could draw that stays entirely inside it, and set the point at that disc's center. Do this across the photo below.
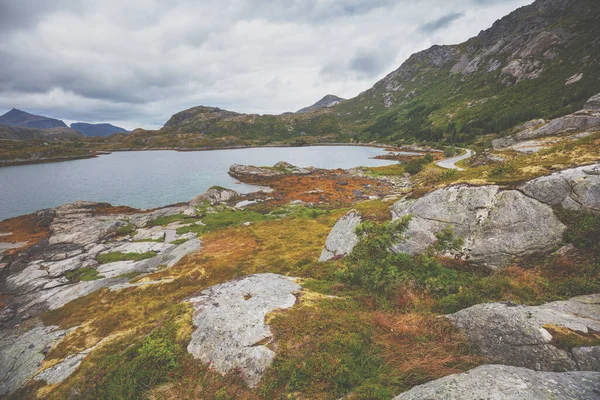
(47, 276)
(497, 226)
(521, 335)
(573, 189)
(342, 238)
(21, 354)
(230, 323)
(501, 382)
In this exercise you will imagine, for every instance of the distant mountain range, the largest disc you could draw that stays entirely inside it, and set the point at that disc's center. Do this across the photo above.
(21, 118)
(328, 101)
(97, 129)
(21, 125)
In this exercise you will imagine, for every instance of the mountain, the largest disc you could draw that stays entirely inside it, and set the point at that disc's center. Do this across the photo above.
(329, 100)
(21, 118)
(540, 61)
(97, 129)
(25, 133)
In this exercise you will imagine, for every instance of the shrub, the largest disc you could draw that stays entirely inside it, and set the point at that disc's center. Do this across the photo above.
(502, 169)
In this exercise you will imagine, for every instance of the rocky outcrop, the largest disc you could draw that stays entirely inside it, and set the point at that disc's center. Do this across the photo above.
(587, 118)
(215, 195)
(252, 174)
(22, 353)
(500, 382)
(522, 336)
(342, 238)
(230, 324)
(497, 226)
(573, 189)
(47, 275)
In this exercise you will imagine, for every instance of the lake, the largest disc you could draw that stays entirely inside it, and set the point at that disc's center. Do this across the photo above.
(148, 179)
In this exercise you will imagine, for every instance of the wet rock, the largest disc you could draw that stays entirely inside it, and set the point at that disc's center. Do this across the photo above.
(230, 323)
(21, 354)
(342, 238)
(501, 382)
(519, 335)
(215, 195)
(573, 189)
(497, 226)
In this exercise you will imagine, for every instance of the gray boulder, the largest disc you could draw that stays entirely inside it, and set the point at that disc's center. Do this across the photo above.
(573, 189)
(215, 195)
(501, 382)
(593, 104)
(342, 238)
(497, 226)
(518, 335)
(230, 323)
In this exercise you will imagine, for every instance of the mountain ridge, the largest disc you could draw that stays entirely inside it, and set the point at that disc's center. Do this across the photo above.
(102, 129)
(16, 117)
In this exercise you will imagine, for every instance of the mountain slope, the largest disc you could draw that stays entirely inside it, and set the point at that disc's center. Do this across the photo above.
(21, 118)
(329, 100)
(25, 133)
(539, 61)
(97, 129)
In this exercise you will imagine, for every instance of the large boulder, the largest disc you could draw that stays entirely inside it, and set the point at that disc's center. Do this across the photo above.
(573, 189)
(522, 336)
(501, 382)
(230, 323)
(215, 195)
(342, 238)
(497, 226)
(593, 104)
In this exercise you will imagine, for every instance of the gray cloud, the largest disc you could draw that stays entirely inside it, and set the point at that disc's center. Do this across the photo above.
(137, 62)
(440, 23)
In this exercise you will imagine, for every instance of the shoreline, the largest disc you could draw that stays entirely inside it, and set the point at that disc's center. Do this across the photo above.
(96, 153)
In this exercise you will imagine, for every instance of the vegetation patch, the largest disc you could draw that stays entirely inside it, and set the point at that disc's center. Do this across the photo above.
(83, 274)
(116, 256)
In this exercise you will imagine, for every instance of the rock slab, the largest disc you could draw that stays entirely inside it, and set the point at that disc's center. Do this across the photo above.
(573, 189)
(501, 382)
(517, 335)
(342, 238)
(230, 323)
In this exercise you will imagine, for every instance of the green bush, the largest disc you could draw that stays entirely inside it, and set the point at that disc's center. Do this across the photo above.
(128, 375)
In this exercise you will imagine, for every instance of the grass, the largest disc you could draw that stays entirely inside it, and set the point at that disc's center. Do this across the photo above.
(83, 274)
(116, 256)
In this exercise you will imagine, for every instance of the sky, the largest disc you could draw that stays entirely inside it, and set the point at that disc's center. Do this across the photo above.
(134, 63)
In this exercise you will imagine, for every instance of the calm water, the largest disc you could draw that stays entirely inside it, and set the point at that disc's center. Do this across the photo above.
(148, 179)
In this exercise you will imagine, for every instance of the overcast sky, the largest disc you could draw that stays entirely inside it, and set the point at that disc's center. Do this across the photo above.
(134, 63)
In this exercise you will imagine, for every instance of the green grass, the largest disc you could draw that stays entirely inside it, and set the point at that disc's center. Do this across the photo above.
(116, 256)
(126, 229)
(83, 274)
(162, 221)
(223, 219)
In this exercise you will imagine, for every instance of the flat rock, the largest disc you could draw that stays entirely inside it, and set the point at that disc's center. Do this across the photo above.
(230, 323)
(22, 353)
(142, 247)
(517, 335)
(497, 226)
(501, 382)
(573, 189)
(342, 238)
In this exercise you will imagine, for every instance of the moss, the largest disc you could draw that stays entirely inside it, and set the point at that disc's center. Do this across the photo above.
(83, 274)
(126, 229)
(568, 339)
(116, 256)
